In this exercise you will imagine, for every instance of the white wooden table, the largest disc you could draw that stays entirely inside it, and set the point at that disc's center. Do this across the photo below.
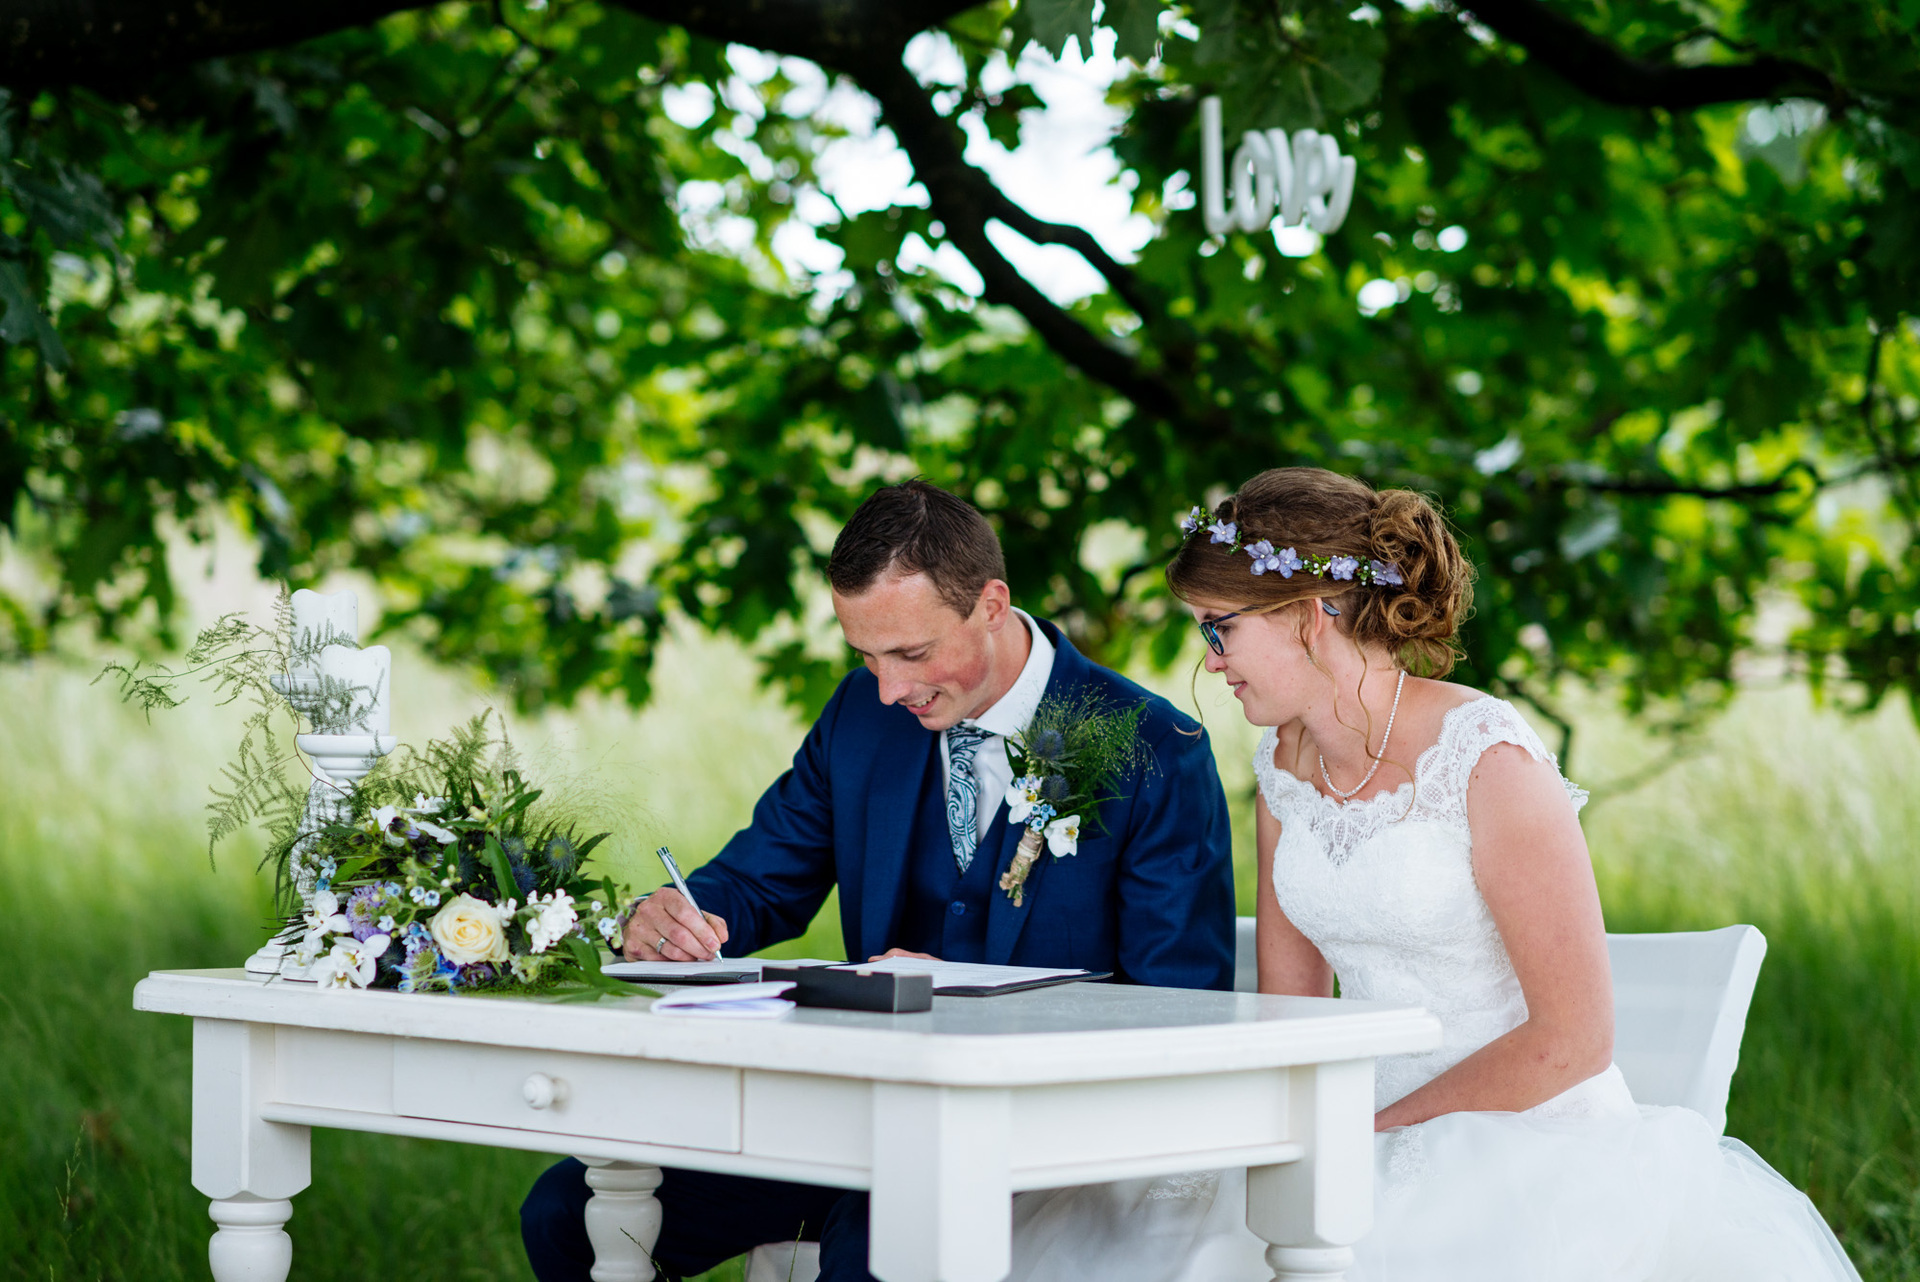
(942, 1115)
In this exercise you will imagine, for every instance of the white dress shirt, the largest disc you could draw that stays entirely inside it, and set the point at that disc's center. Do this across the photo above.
(991, 768)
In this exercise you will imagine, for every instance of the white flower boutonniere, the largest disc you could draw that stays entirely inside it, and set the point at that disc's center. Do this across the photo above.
(1072, 755)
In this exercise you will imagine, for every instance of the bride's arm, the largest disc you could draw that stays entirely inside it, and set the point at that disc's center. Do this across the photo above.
(1289, 963)
(1531, 863)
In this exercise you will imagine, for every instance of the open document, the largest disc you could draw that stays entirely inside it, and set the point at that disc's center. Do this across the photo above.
(950, 979)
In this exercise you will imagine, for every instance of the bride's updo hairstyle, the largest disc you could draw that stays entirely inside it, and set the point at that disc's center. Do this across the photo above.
(1321, 514)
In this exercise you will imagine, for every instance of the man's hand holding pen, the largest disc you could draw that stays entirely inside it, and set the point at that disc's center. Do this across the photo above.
(666, 927)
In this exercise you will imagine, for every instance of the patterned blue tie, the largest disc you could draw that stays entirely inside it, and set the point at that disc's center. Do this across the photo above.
(963, 792)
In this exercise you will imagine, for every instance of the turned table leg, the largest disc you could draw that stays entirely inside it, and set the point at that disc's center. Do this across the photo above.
(250, 1168)
(250, 1244)
(623, 1219)
(1313, 1210)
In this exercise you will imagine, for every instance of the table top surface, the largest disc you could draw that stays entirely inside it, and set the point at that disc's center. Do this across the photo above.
(1072, 1032)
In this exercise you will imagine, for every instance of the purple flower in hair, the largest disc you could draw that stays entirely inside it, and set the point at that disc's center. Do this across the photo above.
(1386, 573)
(1342, 567)
(1263, 557)
(1287, 562)
(1192, 521)
(1224, 531)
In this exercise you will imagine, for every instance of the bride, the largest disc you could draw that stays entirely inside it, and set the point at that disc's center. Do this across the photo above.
(1419, 846)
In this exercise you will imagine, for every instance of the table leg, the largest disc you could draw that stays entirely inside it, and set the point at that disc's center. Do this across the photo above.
(942, 1205)
(250, 1245)
(1312, 1211)
(250, 1168)
(623, 1219)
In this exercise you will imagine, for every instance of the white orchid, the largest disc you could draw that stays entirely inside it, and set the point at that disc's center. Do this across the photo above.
(380, 824)
(352, 963)
(1063, 836)
(1023, 794)
(444, 836)
(425, 805)
(553, 918)
(324, 917)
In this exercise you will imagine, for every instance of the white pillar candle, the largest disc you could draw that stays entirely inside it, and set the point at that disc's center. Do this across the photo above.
(368, 671)
(320, 618)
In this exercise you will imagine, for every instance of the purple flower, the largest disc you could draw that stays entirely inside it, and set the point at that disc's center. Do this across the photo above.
(1342, 567)
(1287, 562)
(1263, 557)
(1192, 521)
(1224, 531)
(1386, 573)
(364, 908)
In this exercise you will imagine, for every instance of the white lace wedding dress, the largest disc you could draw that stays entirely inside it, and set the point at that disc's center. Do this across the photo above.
(1588, 1187)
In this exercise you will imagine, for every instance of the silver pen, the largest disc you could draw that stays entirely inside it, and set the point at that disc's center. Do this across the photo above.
(680, 884)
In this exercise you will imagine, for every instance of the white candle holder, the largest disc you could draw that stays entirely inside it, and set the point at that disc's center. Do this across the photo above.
(339, 760)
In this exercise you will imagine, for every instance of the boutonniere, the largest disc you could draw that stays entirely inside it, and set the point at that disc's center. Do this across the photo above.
(1070, 756)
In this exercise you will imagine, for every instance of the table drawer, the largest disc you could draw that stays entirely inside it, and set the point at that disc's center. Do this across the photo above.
(609, 1097)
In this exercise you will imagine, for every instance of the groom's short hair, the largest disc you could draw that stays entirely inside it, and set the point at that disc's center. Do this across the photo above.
(917, 528)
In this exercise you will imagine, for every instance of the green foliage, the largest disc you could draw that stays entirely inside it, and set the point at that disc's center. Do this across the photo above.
(1079, 747)
(456, 301)
(239, 660)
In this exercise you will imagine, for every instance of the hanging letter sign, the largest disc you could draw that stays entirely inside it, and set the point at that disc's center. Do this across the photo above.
(1304, 179)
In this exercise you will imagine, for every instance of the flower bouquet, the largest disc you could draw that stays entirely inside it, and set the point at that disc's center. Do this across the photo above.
(441, 870)
(1076, 748)
(474, 887)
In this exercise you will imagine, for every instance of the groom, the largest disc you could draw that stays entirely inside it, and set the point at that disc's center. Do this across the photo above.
(897, 797)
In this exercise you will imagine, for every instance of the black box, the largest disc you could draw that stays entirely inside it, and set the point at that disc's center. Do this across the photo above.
(850, 988)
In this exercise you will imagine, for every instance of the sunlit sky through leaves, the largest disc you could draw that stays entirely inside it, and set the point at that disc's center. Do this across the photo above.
(1062, 171)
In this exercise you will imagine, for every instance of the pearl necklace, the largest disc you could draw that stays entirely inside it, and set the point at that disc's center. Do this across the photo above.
(1349, 796)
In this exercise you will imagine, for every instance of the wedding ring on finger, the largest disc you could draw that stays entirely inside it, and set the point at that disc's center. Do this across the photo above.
(661, 947)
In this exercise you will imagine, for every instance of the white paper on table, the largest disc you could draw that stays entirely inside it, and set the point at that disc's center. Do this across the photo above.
(728, 1001)
(948, 976)
(672, 972)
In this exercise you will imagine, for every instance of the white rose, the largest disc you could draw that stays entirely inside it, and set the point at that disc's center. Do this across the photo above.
(469, 930)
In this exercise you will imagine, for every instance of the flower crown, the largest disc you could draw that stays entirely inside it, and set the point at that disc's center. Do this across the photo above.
(1369, 573)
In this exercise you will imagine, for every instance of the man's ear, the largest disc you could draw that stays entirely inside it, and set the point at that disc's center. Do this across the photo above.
(995, 604)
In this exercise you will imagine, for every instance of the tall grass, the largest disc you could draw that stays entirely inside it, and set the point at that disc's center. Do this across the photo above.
(1799, 821)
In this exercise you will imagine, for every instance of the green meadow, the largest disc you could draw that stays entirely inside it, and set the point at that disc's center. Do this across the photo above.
(1800, 820)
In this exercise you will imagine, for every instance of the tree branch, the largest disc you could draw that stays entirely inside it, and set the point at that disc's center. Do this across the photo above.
(1650, 486)
(965, 200)
(846, 35)
(868, 46)
(105, 43)
(1600, 70)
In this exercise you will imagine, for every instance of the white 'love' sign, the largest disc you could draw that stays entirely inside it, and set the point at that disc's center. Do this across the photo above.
(1304, 178)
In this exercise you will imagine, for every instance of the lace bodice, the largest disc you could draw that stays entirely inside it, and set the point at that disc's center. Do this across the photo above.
(1385, 889)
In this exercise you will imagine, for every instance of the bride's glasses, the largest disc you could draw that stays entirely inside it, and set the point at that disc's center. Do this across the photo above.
(1209, 628)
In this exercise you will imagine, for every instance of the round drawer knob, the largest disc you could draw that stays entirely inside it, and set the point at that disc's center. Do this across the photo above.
(541, 1091)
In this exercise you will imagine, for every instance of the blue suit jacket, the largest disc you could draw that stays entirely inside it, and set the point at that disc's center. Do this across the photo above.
(1149, 896)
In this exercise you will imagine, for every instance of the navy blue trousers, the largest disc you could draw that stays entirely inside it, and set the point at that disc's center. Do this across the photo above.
(706, 1219)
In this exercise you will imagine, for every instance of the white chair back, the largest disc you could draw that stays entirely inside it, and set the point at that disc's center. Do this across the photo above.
(1679, 1010)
